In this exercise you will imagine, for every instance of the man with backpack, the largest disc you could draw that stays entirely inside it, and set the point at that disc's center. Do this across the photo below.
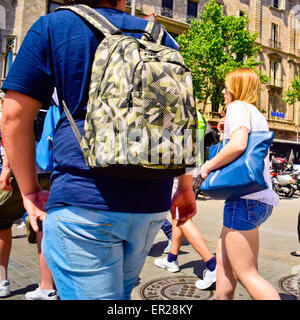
(99, 225)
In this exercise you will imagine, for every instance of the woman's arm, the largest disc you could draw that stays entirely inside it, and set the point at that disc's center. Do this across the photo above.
(235, 147)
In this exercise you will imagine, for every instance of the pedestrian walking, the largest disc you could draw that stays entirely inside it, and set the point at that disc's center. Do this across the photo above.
(11, 209)
(197, 241)
(6, 223)
(99, 228)
(237, 251)
(167, 230)
(296, 253)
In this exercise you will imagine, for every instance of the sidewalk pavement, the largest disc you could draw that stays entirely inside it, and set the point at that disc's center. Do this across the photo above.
(278, 237)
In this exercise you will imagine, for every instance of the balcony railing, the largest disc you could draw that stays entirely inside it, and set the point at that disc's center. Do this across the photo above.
(275, 44)
(190, 18)
(167, 12)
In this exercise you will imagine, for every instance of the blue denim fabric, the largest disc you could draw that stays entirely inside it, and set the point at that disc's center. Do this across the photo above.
(96, 254)
(244, 214)
(167, 229)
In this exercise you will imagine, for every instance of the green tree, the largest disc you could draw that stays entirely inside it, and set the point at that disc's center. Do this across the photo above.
(214, 46)
(292, 95)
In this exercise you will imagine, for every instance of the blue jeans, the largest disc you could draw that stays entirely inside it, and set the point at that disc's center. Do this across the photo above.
(95, 254)
(167, 229)
(244, 214)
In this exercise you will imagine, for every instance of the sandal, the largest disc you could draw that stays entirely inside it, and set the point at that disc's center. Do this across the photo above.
(295, 254)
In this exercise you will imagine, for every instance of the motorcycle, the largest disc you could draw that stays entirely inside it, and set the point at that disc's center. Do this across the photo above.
(295, 176)
(283, 178)
(283, 184)
(297, 180)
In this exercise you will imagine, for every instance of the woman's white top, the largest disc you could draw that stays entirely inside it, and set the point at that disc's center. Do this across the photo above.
(237, 116)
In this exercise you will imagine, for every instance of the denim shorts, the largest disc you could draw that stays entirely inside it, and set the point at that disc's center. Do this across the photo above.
(243, 214)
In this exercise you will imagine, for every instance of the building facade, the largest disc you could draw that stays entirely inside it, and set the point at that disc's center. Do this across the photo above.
(277, 23)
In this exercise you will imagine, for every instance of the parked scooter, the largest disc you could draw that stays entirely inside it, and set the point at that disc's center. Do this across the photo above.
(283, 184)
(297, 180)
(295, 174)
(283, 179)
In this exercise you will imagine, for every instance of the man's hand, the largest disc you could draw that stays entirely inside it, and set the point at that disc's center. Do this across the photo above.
(5, 175)
(4, 179)
(34, 204)
(185, 201)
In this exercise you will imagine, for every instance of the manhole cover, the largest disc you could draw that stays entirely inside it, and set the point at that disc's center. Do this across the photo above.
(291, 284)
(174, 288)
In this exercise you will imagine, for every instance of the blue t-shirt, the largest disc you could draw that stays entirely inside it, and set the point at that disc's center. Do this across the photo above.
(58, 51)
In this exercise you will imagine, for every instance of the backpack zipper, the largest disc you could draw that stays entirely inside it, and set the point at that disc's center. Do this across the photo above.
(129, 97)
(131, 88)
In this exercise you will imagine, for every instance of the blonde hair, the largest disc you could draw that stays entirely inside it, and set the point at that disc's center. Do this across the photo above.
(243, 84)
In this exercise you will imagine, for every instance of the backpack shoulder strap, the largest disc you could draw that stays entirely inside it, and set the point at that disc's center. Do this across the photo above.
(94, 18)
(156, 30)
(72, 122)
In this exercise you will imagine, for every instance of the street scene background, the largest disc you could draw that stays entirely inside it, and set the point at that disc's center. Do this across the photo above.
(278, 237)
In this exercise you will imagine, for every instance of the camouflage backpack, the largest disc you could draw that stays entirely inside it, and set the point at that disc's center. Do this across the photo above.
(141, 117)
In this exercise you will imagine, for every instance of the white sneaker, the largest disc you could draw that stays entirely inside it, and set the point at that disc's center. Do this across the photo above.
(209, 278)
(165, 264)
(21, 225)
(39, 294)
(4, 288)
(167, 249)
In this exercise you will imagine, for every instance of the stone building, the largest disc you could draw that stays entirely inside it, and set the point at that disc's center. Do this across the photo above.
(16, 17)
(278, 26)
(277, 23)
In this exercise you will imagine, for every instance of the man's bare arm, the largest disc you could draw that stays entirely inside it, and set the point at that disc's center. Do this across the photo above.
(17, 121)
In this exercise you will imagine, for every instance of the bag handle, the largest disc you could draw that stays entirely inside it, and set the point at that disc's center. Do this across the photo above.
(94, 18)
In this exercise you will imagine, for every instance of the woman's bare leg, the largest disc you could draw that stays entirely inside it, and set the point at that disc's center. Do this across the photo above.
(226, 280)
(242, 250)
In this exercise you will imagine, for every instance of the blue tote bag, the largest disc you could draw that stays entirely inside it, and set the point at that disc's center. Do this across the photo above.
(44, 155)
(242, 176)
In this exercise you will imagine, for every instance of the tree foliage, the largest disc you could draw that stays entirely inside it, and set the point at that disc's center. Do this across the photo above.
(214, 46)
(292, 95)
